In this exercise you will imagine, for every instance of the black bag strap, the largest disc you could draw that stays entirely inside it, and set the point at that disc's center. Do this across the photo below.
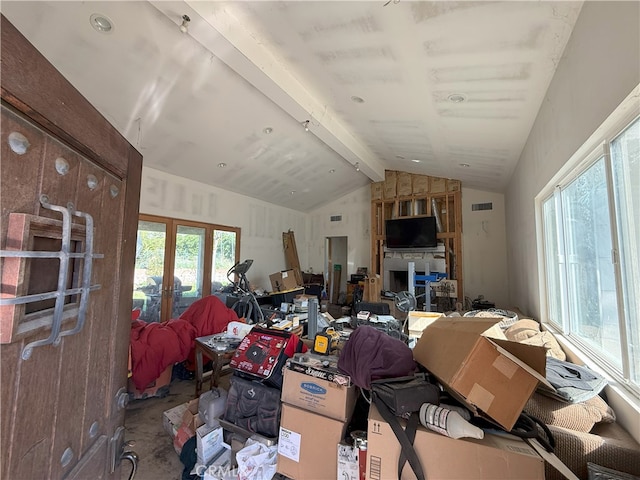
(410, 431)
(405, 444)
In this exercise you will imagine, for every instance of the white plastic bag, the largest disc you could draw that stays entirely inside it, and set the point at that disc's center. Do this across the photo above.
(256, 461)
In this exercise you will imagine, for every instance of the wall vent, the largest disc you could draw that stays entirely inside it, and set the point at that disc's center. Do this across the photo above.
(482, 206)
(336, 218)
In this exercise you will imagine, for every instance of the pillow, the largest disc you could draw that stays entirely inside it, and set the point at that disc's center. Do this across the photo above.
(580, 417)
(528, 331)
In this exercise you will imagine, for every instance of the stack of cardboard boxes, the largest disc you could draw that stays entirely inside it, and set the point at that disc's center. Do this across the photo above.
(317, 404)
(493, 378)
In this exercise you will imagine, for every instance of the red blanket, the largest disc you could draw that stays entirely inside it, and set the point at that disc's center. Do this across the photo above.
(155, 346)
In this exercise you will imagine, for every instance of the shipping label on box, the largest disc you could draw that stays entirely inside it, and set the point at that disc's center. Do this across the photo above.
(488, 374)
(317, 395)
(495, 457)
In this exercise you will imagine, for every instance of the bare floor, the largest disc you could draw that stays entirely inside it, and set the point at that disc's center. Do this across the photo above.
(143, 422)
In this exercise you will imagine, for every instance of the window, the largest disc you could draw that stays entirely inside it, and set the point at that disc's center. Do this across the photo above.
(179, 262)
(591, 248)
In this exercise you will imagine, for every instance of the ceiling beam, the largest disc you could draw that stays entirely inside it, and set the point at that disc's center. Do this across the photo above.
(215, 27)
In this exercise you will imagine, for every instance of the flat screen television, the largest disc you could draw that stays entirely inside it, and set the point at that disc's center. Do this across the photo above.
(413, 232)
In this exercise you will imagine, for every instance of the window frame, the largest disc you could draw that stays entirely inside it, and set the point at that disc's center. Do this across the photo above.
(595, 148)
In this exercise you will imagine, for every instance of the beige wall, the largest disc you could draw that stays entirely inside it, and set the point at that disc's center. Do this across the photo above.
(484, 248)
(262, 223)
(599, 68)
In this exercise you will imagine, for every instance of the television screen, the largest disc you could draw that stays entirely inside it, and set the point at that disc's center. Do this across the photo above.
(414, 232)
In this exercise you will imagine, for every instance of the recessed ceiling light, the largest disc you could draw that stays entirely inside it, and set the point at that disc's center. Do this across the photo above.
(457, 97)
(267, 130)
(222, 165)
(333, 170)
(415, 160)
(465, 165)
(293, 192)
(356, 99)
(101, 23)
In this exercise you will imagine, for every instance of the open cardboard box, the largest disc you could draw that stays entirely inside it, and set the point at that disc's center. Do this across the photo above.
(283, 280)
(492, 458)
(492, 375)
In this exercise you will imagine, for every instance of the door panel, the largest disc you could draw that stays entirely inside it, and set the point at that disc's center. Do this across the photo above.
(188, 268)
(150, 269)
(59, 404)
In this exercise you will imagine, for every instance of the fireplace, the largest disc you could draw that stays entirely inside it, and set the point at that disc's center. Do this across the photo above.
(396, 266)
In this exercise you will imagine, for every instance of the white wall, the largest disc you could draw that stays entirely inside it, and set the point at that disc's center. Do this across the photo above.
(484, 248)
(355, 209)
(261, 223)
(599, 68)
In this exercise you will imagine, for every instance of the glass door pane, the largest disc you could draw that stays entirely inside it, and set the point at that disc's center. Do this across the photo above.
(224, 257)
(188, 268)
(150, 263)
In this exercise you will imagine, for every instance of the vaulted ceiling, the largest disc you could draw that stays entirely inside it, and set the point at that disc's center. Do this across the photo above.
(448, 89)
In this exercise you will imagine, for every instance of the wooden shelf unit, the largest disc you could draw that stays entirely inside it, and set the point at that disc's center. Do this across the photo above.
(403, 194)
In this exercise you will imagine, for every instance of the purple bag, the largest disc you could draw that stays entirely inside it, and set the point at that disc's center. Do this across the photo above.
(371, 354)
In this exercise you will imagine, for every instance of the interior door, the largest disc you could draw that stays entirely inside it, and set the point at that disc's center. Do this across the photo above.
(70, 188)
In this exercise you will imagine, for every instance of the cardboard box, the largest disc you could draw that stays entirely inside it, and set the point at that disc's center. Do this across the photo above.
(172, 419)
(417, 321)
(191, 418)
(317, 395)
(307, 444)
(494, 457)
(188, 425)
(351, 462)
(324, 367)
(209, 441)
(284, 280)
(372, 287)
(488, 374)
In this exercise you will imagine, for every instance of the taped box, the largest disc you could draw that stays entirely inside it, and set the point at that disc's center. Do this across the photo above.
(282, 281)
(492, 375)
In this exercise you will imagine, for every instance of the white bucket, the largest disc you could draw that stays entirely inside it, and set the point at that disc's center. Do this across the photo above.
(212, 405)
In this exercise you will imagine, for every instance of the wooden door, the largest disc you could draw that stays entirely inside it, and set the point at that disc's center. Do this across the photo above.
(62, 403)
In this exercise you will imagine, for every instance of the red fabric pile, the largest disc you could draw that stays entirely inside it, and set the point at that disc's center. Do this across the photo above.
(155, 346)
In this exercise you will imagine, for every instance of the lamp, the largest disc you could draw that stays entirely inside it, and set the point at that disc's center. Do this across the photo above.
(357, 165)
(305, 124)
(184, 26)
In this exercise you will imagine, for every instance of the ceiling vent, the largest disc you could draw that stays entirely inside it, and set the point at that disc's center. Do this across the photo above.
(481, 206)
(336, 218)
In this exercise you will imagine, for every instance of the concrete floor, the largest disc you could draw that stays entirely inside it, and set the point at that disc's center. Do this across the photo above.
(143, 422)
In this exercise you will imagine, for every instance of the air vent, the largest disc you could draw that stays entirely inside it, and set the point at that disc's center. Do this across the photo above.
(336, 218)
(482, 206)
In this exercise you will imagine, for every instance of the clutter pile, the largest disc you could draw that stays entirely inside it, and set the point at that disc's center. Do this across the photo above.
(374, 408)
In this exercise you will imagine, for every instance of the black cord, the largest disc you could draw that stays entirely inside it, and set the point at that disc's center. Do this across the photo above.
(528, 426)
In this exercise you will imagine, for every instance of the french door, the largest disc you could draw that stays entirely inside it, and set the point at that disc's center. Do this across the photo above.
(179, 262)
